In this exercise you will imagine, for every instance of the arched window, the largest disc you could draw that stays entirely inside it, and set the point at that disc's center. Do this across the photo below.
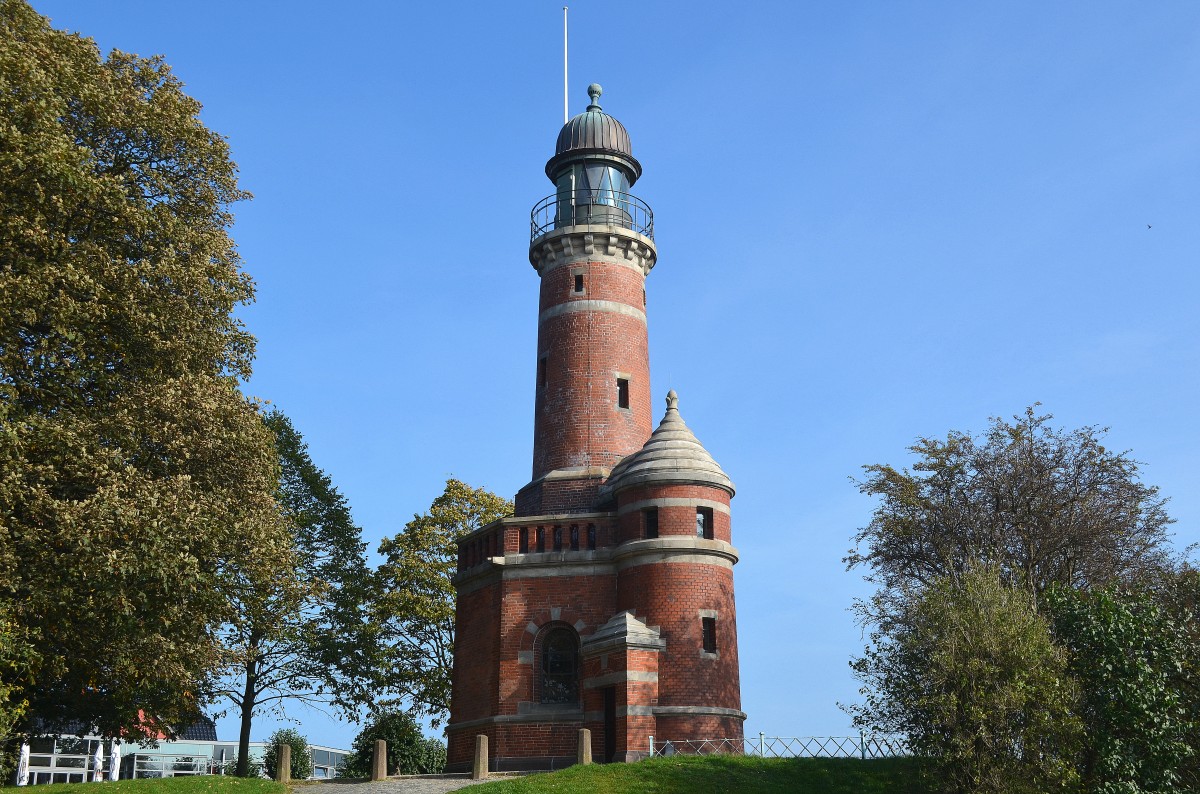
(560, 667)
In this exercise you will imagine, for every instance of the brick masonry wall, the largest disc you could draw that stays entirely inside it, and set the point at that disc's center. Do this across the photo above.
(632, 730)
(558, 496)
(576, 418)
(670, 595)
(477, 647)
(697, 727)
(495, 671)
(674, 519)
(544, 738)
(531, 607)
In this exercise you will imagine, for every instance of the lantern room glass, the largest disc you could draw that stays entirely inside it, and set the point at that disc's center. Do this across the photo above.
(587, 190)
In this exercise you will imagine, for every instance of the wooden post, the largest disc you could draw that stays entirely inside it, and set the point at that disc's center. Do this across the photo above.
(283, 763)
(480, 771)
(379, 761)
(584, 756)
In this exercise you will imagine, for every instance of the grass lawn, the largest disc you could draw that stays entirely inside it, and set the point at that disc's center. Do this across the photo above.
(716, 774)
(198, 784)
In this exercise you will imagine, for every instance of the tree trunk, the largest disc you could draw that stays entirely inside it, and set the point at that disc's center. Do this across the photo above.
(247, 707)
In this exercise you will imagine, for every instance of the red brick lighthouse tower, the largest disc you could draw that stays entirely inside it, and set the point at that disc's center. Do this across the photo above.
(606, 602)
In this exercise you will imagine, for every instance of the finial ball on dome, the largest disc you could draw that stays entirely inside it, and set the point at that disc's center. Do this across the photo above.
(672, 401)
(594, 91)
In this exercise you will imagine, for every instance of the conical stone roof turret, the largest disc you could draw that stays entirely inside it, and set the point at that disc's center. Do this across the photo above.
(672, 456)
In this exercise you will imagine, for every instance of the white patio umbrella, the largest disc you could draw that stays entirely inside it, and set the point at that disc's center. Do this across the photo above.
(114, 761)
(98, 763)
(23, 766)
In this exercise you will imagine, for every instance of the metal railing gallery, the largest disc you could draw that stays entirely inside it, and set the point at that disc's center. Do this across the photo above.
(603, 207)
(865, 745)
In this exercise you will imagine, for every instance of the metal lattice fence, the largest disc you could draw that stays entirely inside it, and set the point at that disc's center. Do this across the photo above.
(865, 745)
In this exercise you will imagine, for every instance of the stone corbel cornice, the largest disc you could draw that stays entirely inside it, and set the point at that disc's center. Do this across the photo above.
(593, 243)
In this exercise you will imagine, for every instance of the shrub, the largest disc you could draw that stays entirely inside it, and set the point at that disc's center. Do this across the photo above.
(970, 673)
(301, 758)
(254, 769)
(408, 751)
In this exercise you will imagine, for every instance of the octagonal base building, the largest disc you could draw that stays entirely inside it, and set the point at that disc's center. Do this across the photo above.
(606, 601)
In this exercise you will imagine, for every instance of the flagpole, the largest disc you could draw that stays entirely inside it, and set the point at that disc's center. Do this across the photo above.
(566, 104)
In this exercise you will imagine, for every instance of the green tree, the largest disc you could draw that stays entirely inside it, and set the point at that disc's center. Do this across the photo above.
(414, 605)
(1041, 508)
(409, 752)
(304, 637)
(972, 676)
(1044, 506)
(1126, 653)
(301, 766)
(136, 482)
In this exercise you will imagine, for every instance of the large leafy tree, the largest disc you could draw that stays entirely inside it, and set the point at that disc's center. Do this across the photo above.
(1044, 506)
(973, 677)
(303, 637)
(1045, 511)
(414, 607)
(136, 482)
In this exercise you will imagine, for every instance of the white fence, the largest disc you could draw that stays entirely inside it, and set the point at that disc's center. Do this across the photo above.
(865, 745)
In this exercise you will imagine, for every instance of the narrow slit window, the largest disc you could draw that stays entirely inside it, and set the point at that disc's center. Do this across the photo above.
(622, 392)
(558, 538)
(523, 540)
(574, 537)
(541, 539)
(579, 282)
(704, 523)
(541, 373)
(650, 522)
(709, 631)
(591, 540)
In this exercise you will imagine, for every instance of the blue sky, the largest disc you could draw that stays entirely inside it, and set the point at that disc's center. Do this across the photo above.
(874, 221)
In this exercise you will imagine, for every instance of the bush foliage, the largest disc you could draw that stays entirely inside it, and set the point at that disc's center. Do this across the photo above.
(972, 676)
(1124, 650)
(301, 758)
(409, 752)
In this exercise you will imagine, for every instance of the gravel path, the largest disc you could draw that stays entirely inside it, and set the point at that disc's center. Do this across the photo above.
(400, 785)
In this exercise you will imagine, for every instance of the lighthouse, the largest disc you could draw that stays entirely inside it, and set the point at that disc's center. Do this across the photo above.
(606, 601)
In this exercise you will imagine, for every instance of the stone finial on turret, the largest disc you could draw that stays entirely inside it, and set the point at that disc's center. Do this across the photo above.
(672, 455)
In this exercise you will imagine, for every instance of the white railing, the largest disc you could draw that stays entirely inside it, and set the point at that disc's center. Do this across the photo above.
(865, 745)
